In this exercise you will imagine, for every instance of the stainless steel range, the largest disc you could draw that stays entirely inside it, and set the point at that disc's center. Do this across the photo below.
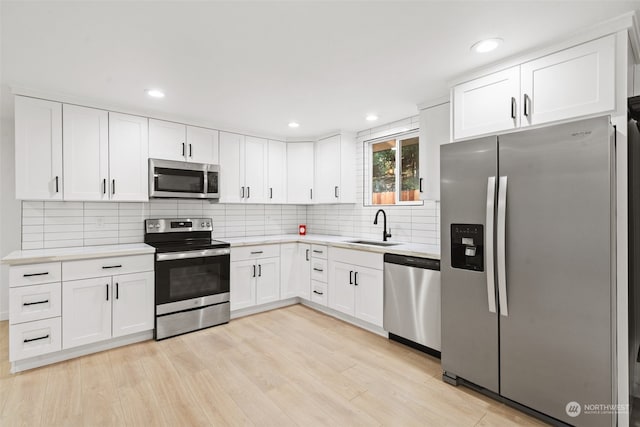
(192, 275)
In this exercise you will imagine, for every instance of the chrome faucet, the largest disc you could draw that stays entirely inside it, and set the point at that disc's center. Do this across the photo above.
(385, 233)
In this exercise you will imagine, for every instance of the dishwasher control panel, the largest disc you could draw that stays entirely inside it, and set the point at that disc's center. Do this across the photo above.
(467, 246)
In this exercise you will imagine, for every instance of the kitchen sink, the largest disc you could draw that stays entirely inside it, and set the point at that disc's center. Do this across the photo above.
(371, 242)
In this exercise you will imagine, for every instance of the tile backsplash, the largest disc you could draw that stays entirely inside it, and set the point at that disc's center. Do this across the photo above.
(65, 224)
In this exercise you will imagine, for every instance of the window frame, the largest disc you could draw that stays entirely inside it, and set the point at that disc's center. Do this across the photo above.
(368, 168)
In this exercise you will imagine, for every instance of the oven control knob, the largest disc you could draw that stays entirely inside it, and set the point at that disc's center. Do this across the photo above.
(157, 225)
(208, 224)
(202, 225)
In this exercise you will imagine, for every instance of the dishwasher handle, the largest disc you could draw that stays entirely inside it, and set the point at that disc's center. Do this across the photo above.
(412, 261)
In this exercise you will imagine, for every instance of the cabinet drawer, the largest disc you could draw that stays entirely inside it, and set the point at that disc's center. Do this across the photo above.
(319, 270)
(34, 338)
(34, 274)
(29, 303)
(254, 252)
(319, 292)
(355, 257)
(319, 251)
(101, 267)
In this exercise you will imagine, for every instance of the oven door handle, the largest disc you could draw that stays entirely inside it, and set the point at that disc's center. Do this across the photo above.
(171, 256)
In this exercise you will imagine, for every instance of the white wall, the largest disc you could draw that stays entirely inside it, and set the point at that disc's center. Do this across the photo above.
(416, 224)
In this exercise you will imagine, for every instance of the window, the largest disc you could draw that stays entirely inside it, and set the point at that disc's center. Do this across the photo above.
(394, 171)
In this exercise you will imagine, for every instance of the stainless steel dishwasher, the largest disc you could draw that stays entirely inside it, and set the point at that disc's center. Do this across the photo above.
(412, 301)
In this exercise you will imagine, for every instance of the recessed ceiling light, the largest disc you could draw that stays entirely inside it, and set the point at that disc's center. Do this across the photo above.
(155, 93)
(372, 118)
(293, 125)
(487, 45)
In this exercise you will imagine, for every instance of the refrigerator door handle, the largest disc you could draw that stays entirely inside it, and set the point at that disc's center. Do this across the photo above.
(491, 279)
(501, 243)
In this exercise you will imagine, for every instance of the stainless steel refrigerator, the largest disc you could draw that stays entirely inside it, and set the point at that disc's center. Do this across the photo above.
(528, 268)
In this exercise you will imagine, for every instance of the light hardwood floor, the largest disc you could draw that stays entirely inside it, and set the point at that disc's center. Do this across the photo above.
(292, 366)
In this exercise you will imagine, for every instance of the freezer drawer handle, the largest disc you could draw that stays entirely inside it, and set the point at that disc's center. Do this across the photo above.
(36, 339)
(502, 269)
(35, 302)
(491, 279)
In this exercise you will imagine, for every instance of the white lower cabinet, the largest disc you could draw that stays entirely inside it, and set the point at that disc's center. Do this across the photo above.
(100, 308)
(256, 280)
(355, 287)
(86, 312)
(32, 339)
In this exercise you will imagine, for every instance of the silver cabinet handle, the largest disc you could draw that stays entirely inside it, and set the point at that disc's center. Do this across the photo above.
(501, 252)
(488, 243)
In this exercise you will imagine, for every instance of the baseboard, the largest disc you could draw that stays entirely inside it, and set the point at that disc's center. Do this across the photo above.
(72, 353)
(349, 319)
(235, 314)
(4, 315)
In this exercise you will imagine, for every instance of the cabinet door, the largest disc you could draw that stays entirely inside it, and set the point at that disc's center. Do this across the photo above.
(86, 311)
(128, 158)
(304, 260)
(242, 283)
(434, 131)
(300, 172)
(255, 176)
(133, 303)
(571, 83)
(348, 166)
(167, 140)
(85, 144)
(202, 145)
(38, 145)
(268, 283)
(327, 170)
(289, 270)
(231, 168)
(488, 104)
(276, 172)
(369, 295)
(341, 287)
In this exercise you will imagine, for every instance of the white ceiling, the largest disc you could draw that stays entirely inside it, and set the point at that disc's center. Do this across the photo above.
(258, 65)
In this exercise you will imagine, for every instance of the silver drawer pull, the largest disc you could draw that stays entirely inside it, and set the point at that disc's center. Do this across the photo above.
(318, 293)
(35, 274)
(317, 269)
(36, 302)
(111, 266)
(256, 252)
(36, 339)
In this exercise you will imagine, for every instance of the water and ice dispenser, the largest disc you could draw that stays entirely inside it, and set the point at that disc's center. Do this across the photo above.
(467, 246)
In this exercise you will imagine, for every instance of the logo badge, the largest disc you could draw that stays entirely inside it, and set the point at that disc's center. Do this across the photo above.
(573, 409)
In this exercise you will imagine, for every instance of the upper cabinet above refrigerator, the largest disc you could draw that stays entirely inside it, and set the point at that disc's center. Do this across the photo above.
(571, 83)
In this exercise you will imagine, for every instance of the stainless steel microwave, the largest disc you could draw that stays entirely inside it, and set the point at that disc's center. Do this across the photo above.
(185, 180)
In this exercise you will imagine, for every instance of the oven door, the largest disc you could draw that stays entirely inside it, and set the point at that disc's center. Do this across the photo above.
(201, 277)
(174, 179)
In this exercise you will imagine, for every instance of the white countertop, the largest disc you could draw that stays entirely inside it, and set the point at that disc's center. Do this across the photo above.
(410, 249)
(32, 256)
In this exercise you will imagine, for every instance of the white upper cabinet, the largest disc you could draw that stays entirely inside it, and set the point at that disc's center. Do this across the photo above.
(300, 172)
(38, 149)
(255, 166)
(488, 104)
(334, 170)
(175, 141)
(277, 172)
(167, 140)
(242, 168)
(128, 158)
(571, 83)
(231, 167)
(86, 153)
(434, 131)
(202, 145)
